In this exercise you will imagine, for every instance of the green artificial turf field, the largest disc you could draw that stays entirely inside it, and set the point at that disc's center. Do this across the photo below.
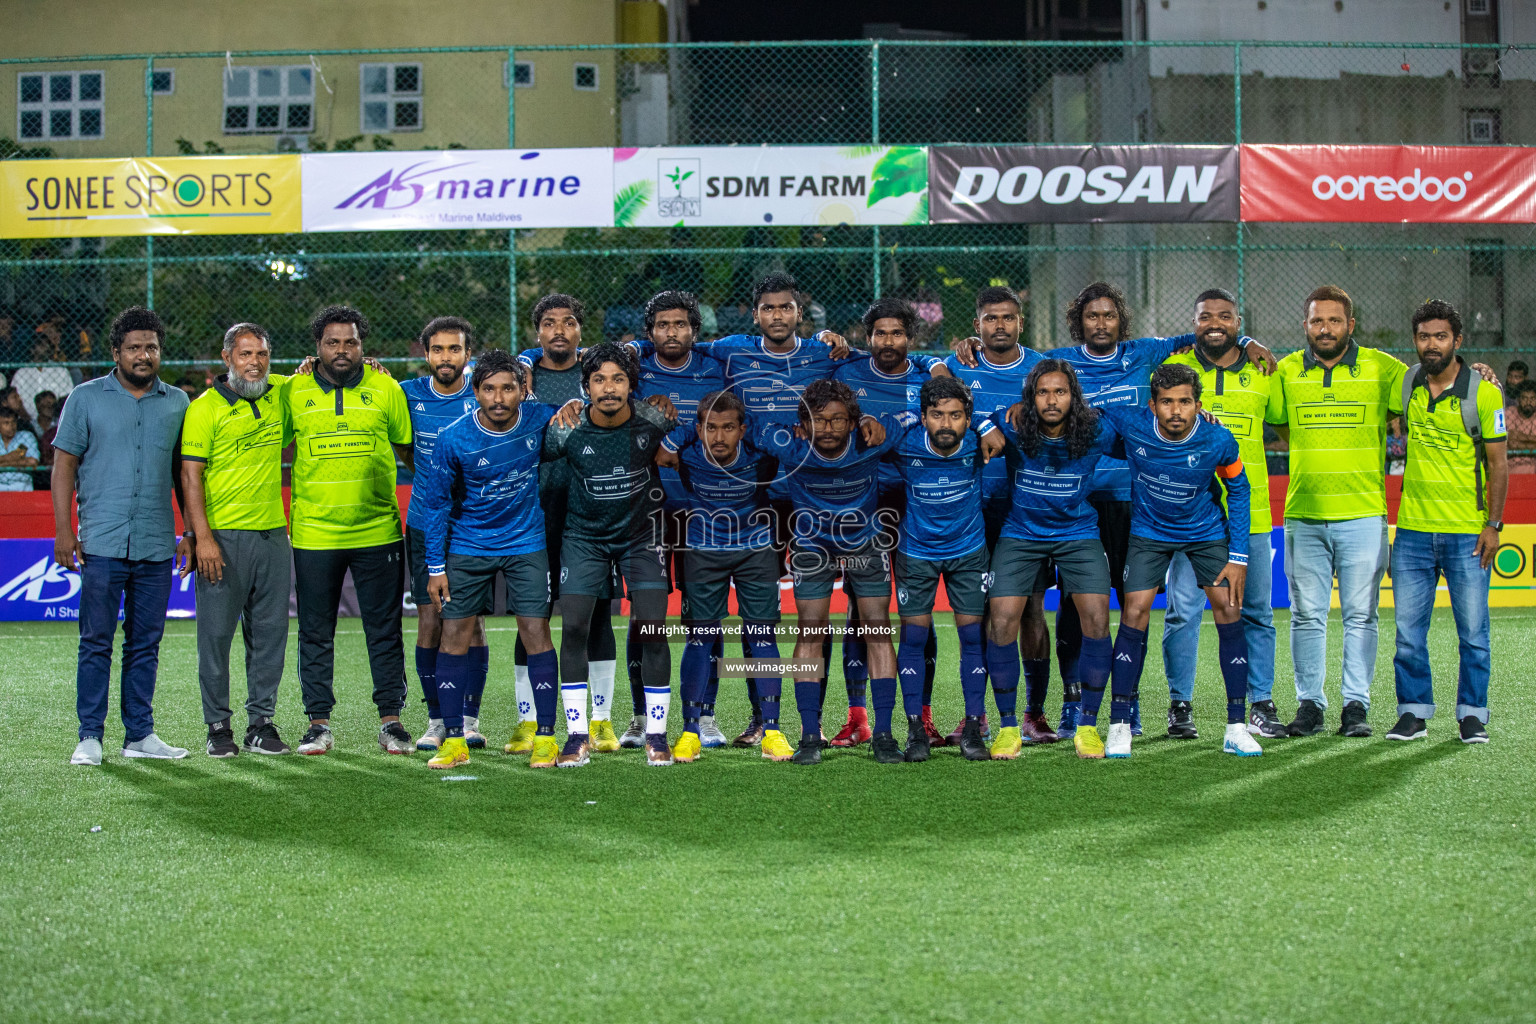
(1330, 879)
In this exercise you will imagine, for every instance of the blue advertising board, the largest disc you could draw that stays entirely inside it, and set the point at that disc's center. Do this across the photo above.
(35, 588)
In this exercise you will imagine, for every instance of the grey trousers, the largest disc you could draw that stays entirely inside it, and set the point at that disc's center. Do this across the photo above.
(258, 566)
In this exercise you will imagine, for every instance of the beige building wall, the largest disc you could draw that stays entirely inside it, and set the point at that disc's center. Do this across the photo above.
(464, 95)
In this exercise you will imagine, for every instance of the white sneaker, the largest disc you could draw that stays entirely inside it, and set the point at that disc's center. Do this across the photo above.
(634, 736)
(87, 751)
(710, 735)
(393, 739)
(434, 736)
(153, 746)
(473, 737)
(1239, 742)
(317, 740)
(1119, 742)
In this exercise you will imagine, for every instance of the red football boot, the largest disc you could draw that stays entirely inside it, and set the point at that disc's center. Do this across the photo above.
(935, 738)
(856, 731)
(1036, 728)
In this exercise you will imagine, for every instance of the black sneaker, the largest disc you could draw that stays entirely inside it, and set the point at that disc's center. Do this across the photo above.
(1352, 720)
(918, 746)
(262, 738)
(885, 748)
(1181, 721)
(1308, 720)
(1264, 720)
(973, 740)
(1473, 730)
(221, 740)
(809, 751)
(1408, 727)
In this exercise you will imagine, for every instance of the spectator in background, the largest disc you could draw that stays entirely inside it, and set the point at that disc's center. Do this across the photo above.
(44, 373)
(18, 453)
(813, 316)
(10, 347)
(1520, 426)
(930, 311)
(45, 439)
(192, 384)
(1515, 375)
(10, 399)
(47, 405)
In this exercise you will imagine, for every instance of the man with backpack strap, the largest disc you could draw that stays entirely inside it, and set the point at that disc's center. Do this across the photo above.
(1448, 522)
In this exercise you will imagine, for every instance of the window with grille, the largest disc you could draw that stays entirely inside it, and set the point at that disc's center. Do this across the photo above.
(162, 81)
(1483, 127)
(586, 77)
(522, 74)
(390, 97)
(269, 100)
(60, 105)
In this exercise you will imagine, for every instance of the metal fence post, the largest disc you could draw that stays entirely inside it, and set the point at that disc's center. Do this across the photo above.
(1237, 136)
(874, 137)
(511, 232)
(149, 151)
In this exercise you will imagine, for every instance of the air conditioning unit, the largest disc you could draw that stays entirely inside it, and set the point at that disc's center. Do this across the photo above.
(293, 143)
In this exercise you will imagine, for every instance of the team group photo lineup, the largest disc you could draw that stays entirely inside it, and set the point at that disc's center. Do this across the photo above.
(861, 486)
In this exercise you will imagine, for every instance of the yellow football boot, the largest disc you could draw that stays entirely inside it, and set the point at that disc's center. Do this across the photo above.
(604, 740)
(776, 747)
(522, 738)
(451, 754)
(1088, 741)
(1008, 744)
(545, 751)
(687, 747)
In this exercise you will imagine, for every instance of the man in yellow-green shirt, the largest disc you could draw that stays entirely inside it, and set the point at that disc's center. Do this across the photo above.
(1448, 522)
(1333, 399)
(232, 442)
(1237, 393)
(348, 422)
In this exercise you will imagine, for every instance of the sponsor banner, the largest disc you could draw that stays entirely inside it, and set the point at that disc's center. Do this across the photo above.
(458, 188)
(205, 195)
(723, 186)
(35, 588)
(1082, 184)
(1389, 184)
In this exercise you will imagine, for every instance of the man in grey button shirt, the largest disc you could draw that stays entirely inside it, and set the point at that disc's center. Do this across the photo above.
(117, 451)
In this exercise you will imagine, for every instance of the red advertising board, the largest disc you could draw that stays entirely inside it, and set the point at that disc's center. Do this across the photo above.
(1389, 184)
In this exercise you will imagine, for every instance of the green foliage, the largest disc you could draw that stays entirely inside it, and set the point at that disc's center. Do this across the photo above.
(901, 170)
(10, 150)
(629, 201)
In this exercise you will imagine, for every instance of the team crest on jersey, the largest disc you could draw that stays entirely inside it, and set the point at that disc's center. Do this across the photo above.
(532, 442)
(911, 394)
(901, 594)
(1244, 378)
(1194, 460)
(565, 574)
(640, 442)
(367, 398)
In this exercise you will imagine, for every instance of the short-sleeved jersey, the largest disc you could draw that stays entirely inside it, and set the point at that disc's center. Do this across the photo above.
(768, 383)
(614, 493)
(1338, 431)
(1176, 490)
(1050, 488)
(240, 441)
(481, 491)
(995, 387)
(343, 464)
(887, 394)
(727, 507)
(943, 515)
(1239, 396)
(1440, 480)
(684, 386)
(835, 499)
(430, 413)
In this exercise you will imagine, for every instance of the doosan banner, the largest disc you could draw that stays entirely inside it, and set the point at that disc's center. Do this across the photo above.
(1082, 184)
(1389, 184)
(458, 188)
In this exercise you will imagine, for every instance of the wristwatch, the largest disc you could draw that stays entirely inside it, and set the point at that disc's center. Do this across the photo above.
(1497, 524)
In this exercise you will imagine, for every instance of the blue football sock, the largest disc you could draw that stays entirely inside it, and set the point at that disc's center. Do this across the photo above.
(930, 665)
(1232, 645)
(883, 692)
(712, 688)
(426, 671)
(452, 680)
(855, 666)
(1003, 667)
(764, 692)
(973, 670)
(544, 675)
(1098, 655)
(1069, 647)
(909, 667)
(808, 702)
(479, 668)
(1037, 683)
(1130, 655)
(695, 670)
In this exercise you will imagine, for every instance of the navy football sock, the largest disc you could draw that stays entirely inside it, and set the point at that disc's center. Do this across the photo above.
(479, 667)
(452, 679)
(1096, 660)
(883, 692)
(544, 676)
(930, 665)
(1232, 645)
(1003, 667)
(808, 702)
(712, 688)
(1037, 682)
(973, 670)
(426, 671)
(764, 691)
(909, 666)
(694, 672)
(1130, 656)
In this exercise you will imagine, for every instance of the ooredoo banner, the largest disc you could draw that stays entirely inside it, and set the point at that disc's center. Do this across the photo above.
(1389, 184)
(1082, 184)
(458, 188)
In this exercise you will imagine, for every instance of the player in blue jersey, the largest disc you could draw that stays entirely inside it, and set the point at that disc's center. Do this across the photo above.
(1178, 463)
(728, 539)
(481, 516)
(837, 530)
(1056, 441)
(940, 459)
(435, 401)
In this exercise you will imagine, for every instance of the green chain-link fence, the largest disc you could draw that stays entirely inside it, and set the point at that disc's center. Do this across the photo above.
(822, 93)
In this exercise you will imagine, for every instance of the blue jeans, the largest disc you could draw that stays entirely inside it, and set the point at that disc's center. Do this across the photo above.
(1418, 562)
(1354, 550)
(142, 589)
(1186, 607)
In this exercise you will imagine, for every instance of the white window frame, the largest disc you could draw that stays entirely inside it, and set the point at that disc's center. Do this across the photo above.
(47, 107)
(506, 77)
(162, 92)
(391, 98)
(1479, 8)
(283, 99)
(576, 77)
